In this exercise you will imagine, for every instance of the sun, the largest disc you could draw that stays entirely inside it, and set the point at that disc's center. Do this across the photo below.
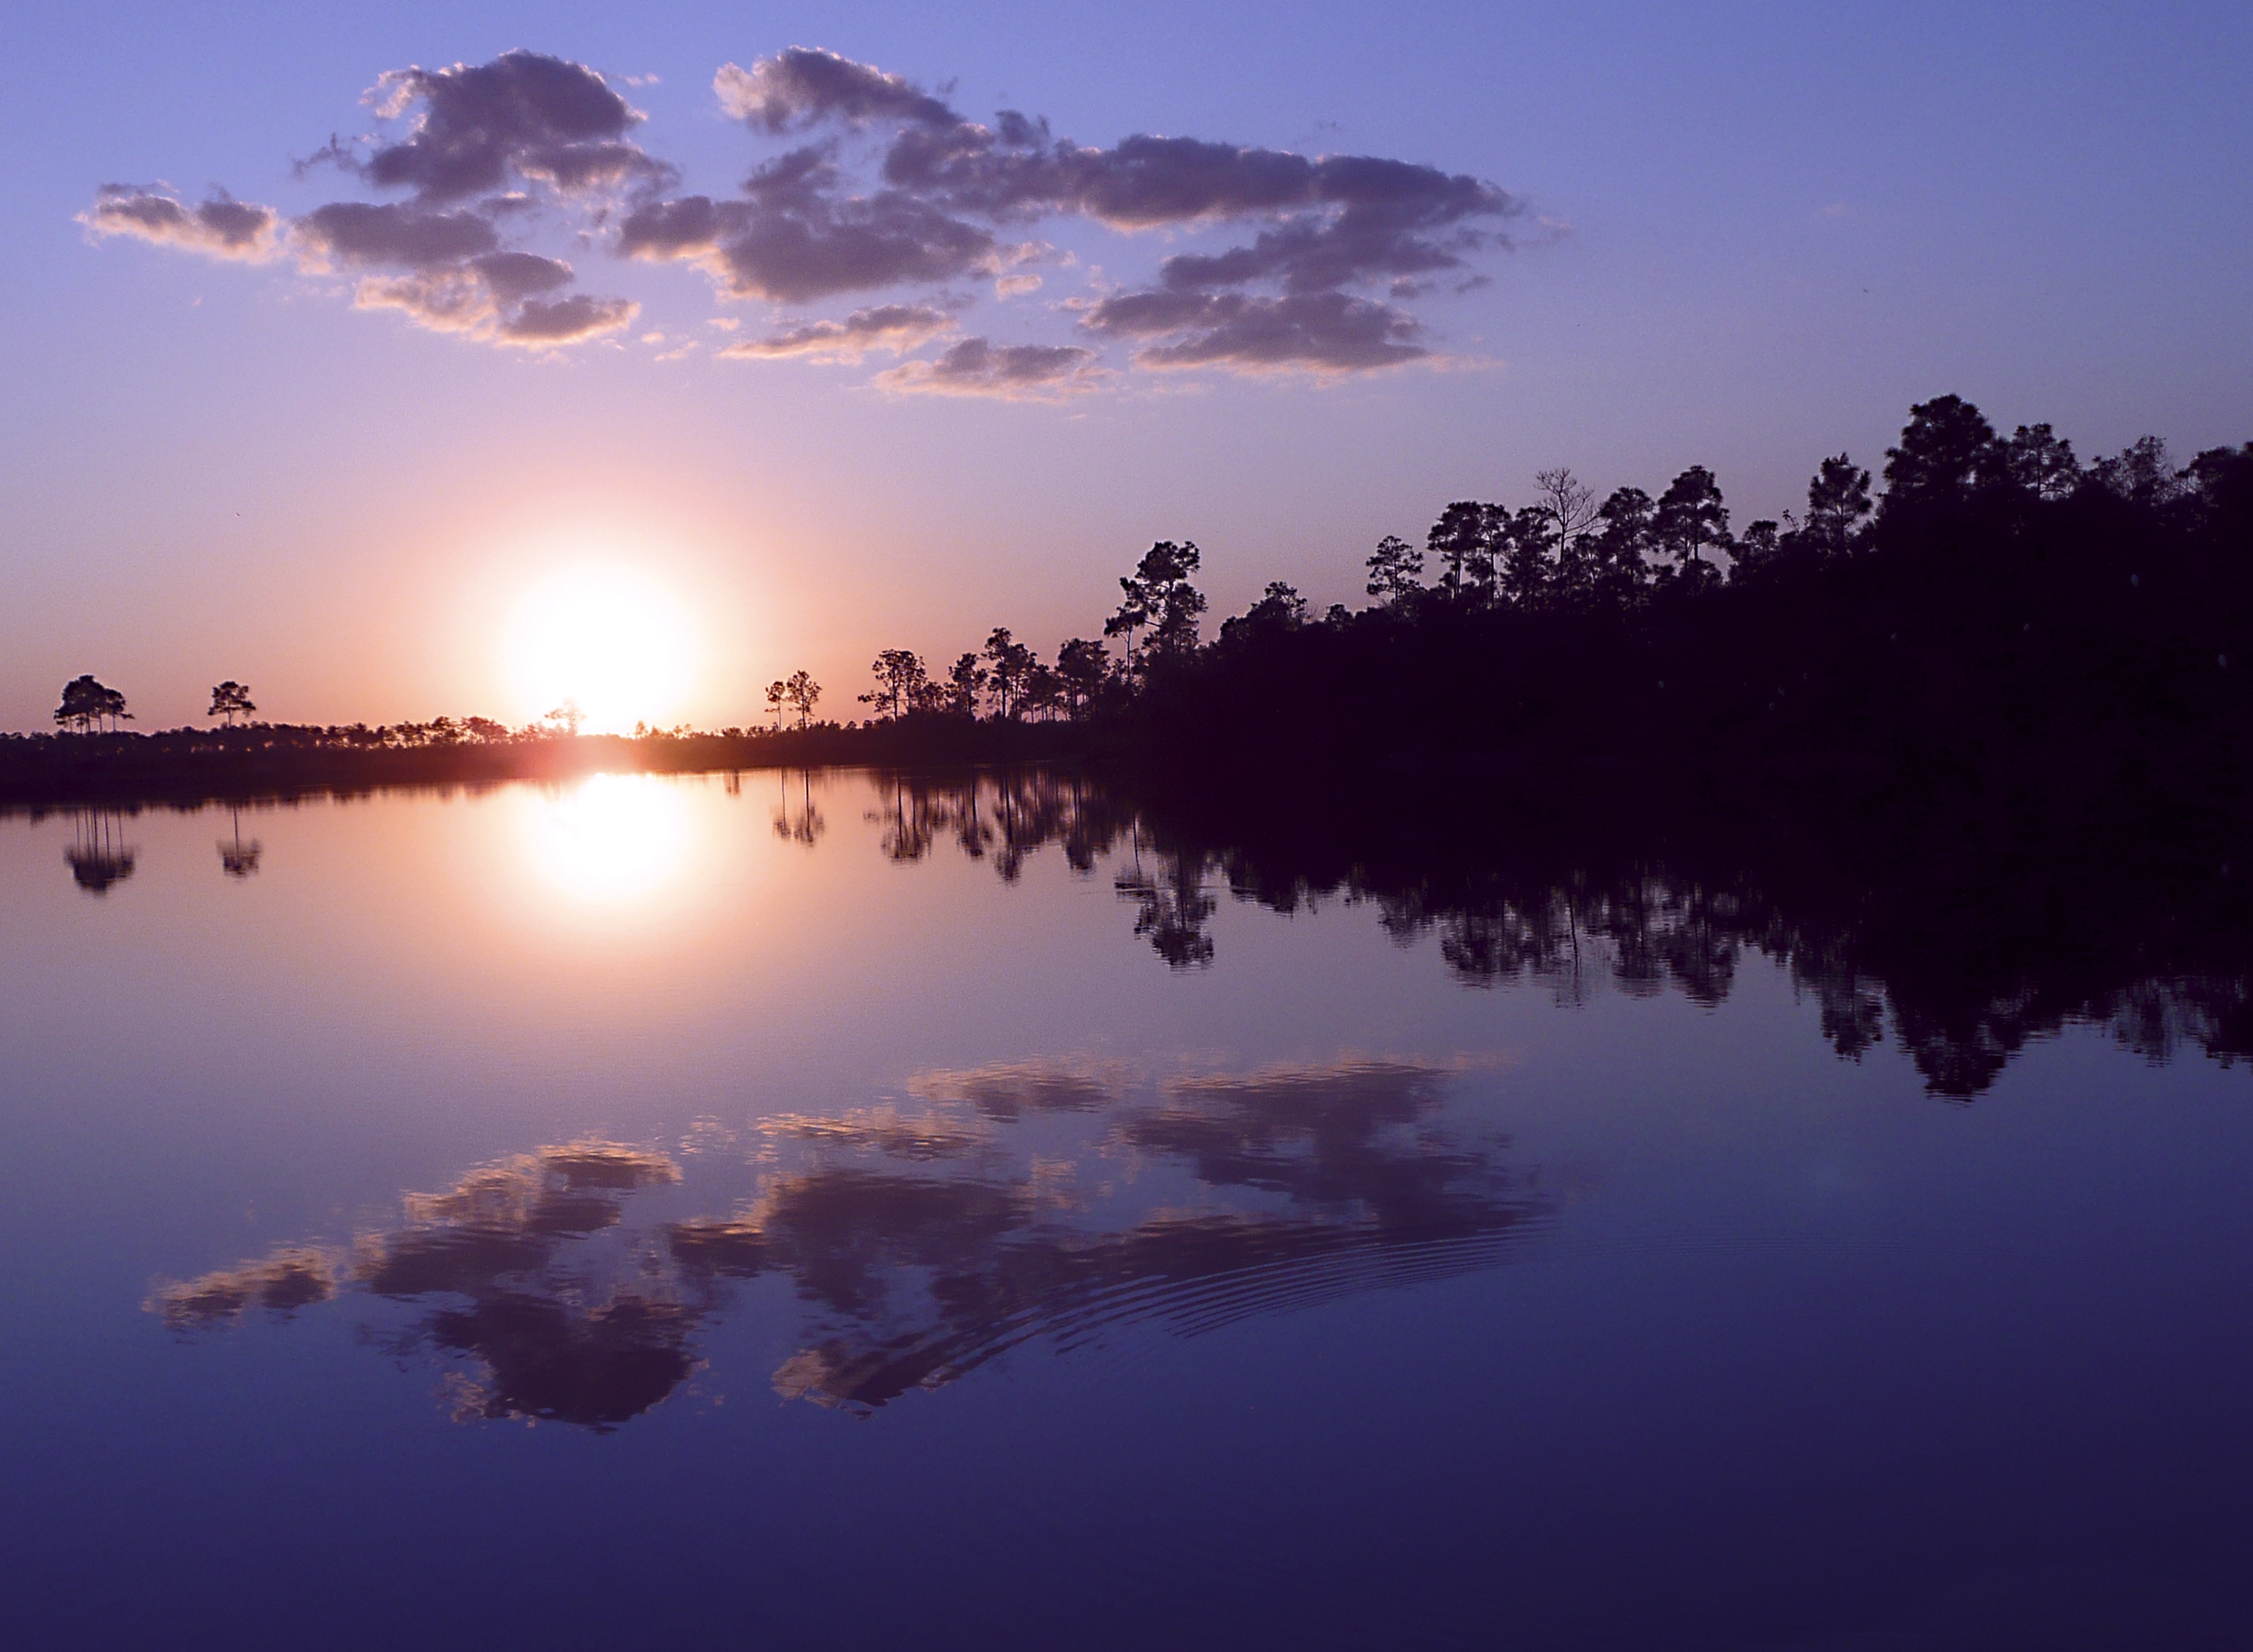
(608, 640)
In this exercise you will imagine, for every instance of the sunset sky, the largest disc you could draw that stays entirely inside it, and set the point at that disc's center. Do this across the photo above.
(764, 329)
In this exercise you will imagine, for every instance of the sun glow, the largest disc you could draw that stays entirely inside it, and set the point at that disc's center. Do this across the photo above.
(611, 837)
(610, 642)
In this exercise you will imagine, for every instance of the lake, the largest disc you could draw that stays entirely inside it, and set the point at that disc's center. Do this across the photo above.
(836, 1211)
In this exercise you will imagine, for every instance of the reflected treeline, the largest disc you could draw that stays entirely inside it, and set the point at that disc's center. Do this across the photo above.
(1963, 942)
(916, 1245)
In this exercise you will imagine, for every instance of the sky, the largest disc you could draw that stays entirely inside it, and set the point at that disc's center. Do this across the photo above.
(341, 344)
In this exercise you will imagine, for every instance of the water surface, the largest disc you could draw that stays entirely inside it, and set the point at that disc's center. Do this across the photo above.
(828, 1211)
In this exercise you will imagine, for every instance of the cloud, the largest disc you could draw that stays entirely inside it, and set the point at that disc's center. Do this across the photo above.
(1328, 332)
(917, 1248)
(979, 367)
(801, 87)
(565, 321)
(885, 195)
(362, 233)
(946, 186)
(523, 115)
(486, 144)
(220, 227)
(897, 328)
(294, 1277)
(1007, 1091)
(794, 238)
(497, 297)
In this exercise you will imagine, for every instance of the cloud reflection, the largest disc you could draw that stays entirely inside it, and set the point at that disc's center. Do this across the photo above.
(918, 1246)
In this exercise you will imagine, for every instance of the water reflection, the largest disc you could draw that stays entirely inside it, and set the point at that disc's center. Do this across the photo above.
(917, 1246)
(99, 856)
(236, 858)
(1961, 948)
(1963, 954)
(796, 819)
(611, 838)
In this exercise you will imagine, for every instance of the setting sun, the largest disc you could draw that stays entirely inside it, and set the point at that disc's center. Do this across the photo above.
(608, 641)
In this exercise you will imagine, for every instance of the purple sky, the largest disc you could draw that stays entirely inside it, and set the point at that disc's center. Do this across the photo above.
(833, 354)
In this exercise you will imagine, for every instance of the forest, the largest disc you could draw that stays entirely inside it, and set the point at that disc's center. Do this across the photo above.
(1987, 619)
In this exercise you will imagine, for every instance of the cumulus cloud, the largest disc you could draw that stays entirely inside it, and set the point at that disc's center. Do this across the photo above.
(485, 145)
(524, 115)
(801, 87)
(795, 238)
(980, 367)
(884, 195)
(566, 321)
(361, 232)
(1321, 331)
(946, 186)
(497, 297)
(220, 227)
(896, 327)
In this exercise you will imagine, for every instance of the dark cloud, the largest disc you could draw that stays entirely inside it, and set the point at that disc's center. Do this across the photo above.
(496, 297)
(980, 367)
(1321, 331)
(220, 227)
(510, 276)
(365, 232)
(896, 327)
(565, 321)
(800, 88)
(503, 144)
(794, 237)
(478, 133)
(477, 127)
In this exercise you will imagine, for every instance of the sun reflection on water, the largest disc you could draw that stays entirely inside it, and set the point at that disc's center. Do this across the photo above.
(612, 837)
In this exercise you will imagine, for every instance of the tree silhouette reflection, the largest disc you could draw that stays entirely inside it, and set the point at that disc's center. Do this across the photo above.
(99, 858)
(918, 1247)
(236, 858)
(1963, 947)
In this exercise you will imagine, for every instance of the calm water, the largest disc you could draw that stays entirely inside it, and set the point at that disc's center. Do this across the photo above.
(807, 1214)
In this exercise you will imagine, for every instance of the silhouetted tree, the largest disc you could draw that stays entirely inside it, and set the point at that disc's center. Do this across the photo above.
(778, 696)
(1082, 668)
(2143, 473)
(1692, 524)
(1620, 550)
(1757, 548)
(1570, 505)
(1463, 540)
(966, 682)
(1526, 550)
(86, 704)
(230, 700)
(1158, 596)
(1838, 504)
(903, 682)
(801, 691)
(2040, 462)
(567, 719)
(1009, 664)
(1947, 450)
(1396, 570)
